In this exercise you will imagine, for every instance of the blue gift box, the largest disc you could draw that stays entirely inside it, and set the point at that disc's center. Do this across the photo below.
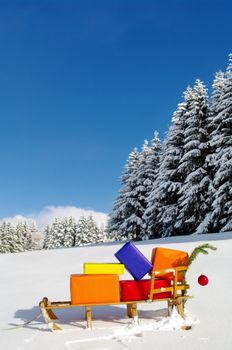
(135, 262)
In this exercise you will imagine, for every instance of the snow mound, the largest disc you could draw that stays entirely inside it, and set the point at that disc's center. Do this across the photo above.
(170, 323)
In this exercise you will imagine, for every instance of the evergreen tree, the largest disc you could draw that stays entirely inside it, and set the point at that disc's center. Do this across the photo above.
(146, 176)
(93, 230)
(37, 237)
(48, 239)
(54, 235)
(151, 167)
(127, 219)
(133, 224)
(24, 234)
(217, 90)
(87, 232)
(124, 204)
(102, 234)
(69, 226)
(9, 239)
(81, 235)
(58, 232)
(6, 240)
(194, 194)
(221, 218)
(214, 120)
(218, 87)
(162, 206)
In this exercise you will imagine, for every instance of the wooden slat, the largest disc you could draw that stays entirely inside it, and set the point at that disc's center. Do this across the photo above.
(58, 305)
(170, 289)
(183, 287)
(161, 290)
(170, 270)
(181, 268)
(88, 316)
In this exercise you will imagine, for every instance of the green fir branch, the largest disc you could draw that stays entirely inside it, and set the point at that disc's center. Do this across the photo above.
(201, 249)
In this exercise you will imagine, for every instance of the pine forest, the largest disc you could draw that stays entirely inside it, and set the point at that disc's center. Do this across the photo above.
(181, 186)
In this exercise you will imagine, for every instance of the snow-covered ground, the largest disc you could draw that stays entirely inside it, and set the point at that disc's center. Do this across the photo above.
(27, 277)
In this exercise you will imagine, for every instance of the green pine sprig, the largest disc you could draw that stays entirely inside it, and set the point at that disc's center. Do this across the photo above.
(201, 249)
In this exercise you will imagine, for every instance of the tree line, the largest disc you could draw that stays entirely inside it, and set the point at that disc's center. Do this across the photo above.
(61, 233)
(183, 185)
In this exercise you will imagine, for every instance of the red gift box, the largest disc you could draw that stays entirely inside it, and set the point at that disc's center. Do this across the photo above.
(139, 290)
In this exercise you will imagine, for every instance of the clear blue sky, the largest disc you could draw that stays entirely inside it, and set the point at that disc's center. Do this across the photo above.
(84, 82)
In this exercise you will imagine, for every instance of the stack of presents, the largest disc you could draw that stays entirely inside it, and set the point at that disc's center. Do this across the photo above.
(161, 279)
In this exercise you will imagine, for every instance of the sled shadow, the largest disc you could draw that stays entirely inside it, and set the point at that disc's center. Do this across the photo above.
(107, 314)
(26, 315)
(153, 314)
(99, 313)
(72, 317)
(75, 317)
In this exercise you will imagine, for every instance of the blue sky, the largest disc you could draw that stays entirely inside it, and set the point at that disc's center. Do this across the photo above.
(84, 82)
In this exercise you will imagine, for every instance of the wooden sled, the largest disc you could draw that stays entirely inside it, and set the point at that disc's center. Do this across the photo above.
(178, 297)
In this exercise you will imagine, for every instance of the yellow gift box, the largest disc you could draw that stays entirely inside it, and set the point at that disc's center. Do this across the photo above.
(103, 268)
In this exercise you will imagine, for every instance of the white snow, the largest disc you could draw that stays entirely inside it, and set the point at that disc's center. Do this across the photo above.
(27, 277)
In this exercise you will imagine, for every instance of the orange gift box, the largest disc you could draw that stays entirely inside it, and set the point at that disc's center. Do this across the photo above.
(94, 289)
(164, 258)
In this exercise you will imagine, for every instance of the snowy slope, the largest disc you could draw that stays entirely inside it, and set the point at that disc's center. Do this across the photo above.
(27, 277)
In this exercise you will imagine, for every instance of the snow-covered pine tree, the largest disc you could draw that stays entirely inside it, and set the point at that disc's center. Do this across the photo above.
(123, 205)
(48, 238)
(54, 235)
(6, 241)
(69, 225)
(218, 87)
(102, 234)
(81, 234)
(207, 224)
(152, 163)
(58, 231)
(132, 199)
(24, 235)
(1, 239)
(37, 237)
(222, 142)
(146, 176)
(133, 224)
(87, 232)
(214, 119)
(9, 240)
(93, 230)
(162, 206)
(194, 194)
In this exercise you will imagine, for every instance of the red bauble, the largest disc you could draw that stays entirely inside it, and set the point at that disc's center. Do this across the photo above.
(203, 280)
